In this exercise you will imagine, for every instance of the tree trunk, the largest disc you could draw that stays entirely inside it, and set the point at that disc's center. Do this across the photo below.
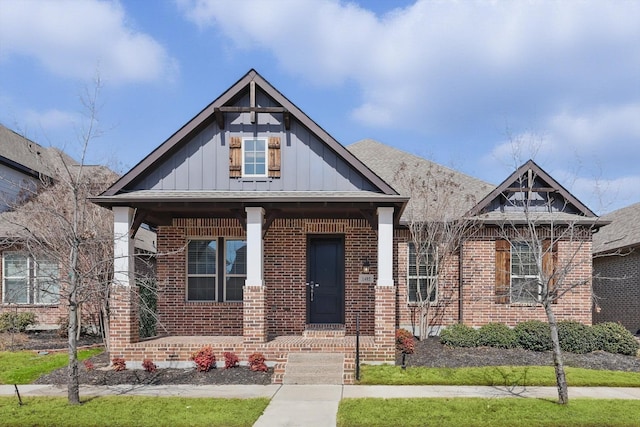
(73, 386)
(561, 379)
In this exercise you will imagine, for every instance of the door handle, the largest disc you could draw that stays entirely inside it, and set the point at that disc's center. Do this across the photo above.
(311, 286)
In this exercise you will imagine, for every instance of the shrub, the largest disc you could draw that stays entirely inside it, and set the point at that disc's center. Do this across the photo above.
(576, 337)
(459, 335)
(256, 362)
(405, 341)
(149, 366)
(534, 335)
(63, 326)
(118, 364)
(615, 338)
(497, 335)
(204, 359)
(230, 360)
(16, 322)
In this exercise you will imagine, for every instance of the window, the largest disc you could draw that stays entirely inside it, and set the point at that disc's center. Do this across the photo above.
(525, 276)
(423, 277)
(254, 157)
(201, 270)
(236, 269)
(25, 281)
(207, 278)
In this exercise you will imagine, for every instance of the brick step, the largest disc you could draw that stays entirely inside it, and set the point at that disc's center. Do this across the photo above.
(314, 368)
(324, 331)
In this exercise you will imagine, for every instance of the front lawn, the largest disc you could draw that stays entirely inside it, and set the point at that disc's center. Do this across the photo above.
(486, 412)
(24, 367)
(495, 376)
(131, 411)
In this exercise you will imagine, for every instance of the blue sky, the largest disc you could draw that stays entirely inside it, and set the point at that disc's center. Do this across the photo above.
(477, 86)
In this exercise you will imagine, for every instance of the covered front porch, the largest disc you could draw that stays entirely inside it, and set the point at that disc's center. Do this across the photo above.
(275, 316)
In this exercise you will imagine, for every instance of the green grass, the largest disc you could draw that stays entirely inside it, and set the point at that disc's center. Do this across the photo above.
(495, 375)
(131, 411)
(487, 412)
(24, 367)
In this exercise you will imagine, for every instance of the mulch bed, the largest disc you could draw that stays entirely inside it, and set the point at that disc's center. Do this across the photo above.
(429, 353)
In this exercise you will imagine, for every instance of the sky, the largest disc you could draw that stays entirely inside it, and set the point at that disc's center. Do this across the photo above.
(479, 86)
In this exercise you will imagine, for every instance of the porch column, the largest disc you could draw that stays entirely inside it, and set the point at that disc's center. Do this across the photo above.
(254, 296)
(123, 325)
(385, 293)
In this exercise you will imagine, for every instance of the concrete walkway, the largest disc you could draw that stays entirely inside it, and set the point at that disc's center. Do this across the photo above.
(317, 405)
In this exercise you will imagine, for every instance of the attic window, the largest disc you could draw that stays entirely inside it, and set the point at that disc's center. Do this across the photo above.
(254, 157)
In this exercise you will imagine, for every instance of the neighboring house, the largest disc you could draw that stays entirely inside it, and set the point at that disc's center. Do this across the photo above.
(28, 284)
(616, 269)
(273, 237)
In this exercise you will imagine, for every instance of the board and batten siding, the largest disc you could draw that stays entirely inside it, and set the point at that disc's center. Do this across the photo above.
(307, 164)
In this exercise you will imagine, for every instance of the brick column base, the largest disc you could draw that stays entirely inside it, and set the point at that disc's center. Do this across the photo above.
(254, 322)
(385, 322)
(123, 323)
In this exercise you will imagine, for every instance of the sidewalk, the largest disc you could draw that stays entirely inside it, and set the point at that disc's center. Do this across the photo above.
(317, 405)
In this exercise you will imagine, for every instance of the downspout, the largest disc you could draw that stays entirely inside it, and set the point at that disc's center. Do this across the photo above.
(460, 282)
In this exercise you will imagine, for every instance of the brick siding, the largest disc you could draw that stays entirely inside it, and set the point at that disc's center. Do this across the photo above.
(616, 286)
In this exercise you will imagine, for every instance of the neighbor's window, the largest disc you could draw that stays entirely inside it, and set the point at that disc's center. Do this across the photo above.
(235, 269)
(201, 270)
(422, 279)
(27, 281)
(525, 276)
(254, 157)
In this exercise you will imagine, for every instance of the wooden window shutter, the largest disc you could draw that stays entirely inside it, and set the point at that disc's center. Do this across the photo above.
(235, 157)
(503, 271)
(549, 262)
(274, 157)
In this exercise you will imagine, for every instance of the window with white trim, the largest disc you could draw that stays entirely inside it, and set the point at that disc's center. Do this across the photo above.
(27, 281)
(254, 157)
(213, 275)
(526, 286)
(422, 279)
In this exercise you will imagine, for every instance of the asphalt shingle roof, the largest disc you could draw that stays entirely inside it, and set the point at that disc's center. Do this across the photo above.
(388, 162)
(622, 232)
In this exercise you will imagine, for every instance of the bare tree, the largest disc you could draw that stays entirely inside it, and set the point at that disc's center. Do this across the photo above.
(544, 249)
(436, 230)
(69, 238)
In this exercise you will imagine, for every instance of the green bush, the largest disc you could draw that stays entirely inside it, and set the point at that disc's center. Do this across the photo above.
(497, 335)
(533, 335)
(459, 335)
(16, 322)
(615, 338)
(576, 337)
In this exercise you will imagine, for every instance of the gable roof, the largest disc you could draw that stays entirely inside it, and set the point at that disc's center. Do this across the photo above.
(387, 162)
(208, 115)
(622, 232)
(573, 209)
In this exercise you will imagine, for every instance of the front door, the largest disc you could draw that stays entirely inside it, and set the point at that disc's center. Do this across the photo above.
(325, 280)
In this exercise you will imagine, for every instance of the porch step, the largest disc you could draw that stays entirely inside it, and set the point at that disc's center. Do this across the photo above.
(325, 330)
(314, 368)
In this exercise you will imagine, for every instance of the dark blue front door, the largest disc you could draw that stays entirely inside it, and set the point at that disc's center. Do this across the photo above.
(325, 280)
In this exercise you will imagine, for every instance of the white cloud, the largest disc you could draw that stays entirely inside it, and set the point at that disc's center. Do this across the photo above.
(77, 38)
(50, 119)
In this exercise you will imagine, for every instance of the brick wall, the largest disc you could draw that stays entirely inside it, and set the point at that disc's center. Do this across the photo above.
(285, 269)
(616, 289)
(480, 306)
